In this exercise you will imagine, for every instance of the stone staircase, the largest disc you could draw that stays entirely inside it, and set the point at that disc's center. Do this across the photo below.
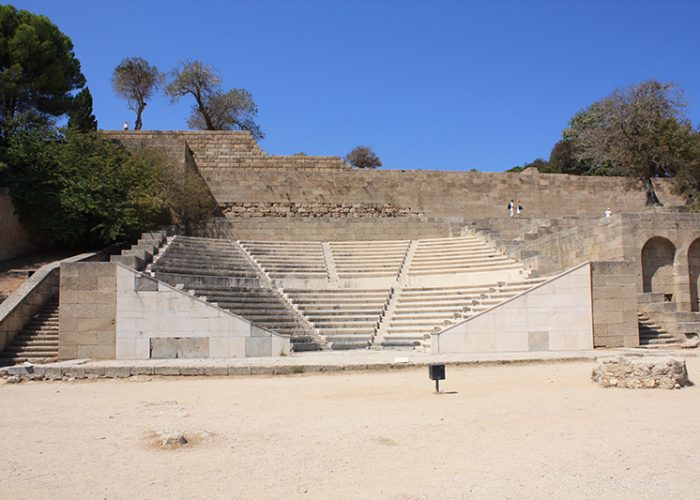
(653, 335)
(38, 341)
(368, 259)
(264, 308)
(345, 318)
(220, 272)
(661, 324)
(192, 261)
(518, 237)
(465, 254)
(289, 259)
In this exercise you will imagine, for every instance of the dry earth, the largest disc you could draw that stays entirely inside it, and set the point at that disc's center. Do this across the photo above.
(535, 431)
(14, 272)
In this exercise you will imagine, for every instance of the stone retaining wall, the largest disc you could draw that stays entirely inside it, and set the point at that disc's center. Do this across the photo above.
(238, 171)
(323, 228)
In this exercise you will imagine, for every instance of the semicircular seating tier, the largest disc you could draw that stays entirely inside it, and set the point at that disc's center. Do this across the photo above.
(347, 295)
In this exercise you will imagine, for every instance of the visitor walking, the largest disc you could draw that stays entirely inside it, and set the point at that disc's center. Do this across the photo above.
(519, 209)
(608, 212)
(511, 207)
(125, 126)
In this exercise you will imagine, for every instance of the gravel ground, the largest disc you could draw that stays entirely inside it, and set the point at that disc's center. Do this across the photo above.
(517, 431)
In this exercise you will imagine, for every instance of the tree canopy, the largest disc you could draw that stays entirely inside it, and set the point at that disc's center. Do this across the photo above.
(214, 109)
(363, 157)
(80, 115)
(640, 131)
(135, 80)
(38, 70)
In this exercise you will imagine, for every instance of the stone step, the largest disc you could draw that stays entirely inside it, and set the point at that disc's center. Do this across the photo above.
(326, 292)
(458, 259)
(294, 274)
(437, 299)
(243, 273)
(415, 331)
(242, 298)
(451, 266)
(465, 270)
(367, 274)
(433, 307)
(343, 313)
(345, 320)
(346, 331)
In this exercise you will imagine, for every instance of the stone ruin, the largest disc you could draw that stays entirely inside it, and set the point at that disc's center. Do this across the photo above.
(641, 372)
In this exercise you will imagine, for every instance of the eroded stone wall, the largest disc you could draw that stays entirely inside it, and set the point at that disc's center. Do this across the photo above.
(289, 209)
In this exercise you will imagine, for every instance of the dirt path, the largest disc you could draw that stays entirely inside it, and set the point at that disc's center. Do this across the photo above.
(14, 272)
(540, 431)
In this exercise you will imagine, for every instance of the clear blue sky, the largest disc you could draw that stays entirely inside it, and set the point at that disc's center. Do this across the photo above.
(441, 84)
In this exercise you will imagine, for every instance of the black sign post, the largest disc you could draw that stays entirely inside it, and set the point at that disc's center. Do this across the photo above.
(436, 372)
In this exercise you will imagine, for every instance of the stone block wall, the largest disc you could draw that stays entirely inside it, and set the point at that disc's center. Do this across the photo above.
(238, 171)
(222, 149)
(438, 194)
(87, 312)
(614, 303)
(15, 240)
(329, 228)
(598, 239)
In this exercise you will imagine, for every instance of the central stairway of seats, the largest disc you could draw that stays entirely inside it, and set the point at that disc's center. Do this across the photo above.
(347, 319)
(347, 295)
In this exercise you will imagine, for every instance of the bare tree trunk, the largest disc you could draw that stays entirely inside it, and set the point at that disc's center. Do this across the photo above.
(652, 199)
(139, 122)
(203, 109)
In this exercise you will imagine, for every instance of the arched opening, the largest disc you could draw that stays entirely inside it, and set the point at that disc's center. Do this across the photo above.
(694, 270)
(657, 266)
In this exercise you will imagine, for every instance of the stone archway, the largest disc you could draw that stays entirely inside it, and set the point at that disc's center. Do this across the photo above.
(658, 255)
(694, 272)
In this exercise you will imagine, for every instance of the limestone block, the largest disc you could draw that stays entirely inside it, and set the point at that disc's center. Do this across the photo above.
(117, 371)
(258, 346)
(641, 372)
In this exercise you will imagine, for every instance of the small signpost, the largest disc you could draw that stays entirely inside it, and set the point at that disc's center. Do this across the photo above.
(436, 372)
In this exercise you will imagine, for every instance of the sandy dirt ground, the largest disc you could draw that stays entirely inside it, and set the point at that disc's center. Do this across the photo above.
(534, 431)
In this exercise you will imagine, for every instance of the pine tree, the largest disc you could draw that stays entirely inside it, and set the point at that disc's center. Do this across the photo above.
(80, 114)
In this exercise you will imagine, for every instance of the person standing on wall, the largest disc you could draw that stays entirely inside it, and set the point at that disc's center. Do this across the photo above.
(519, 209)
(511, 207)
